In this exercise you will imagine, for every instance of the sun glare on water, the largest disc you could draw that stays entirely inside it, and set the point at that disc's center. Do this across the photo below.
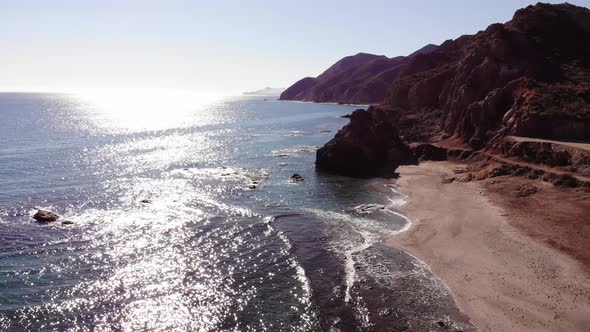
(145, 109)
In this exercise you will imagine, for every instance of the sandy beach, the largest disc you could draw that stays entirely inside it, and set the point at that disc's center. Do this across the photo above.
(501, 275)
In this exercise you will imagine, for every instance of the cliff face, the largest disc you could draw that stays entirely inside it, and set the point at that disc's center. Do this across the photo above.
(359, 79)
(527, 77)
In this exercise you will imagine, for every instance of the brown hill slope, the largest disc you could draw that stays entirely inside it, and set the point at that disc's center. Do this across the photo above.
(359, 79)
(528, 77)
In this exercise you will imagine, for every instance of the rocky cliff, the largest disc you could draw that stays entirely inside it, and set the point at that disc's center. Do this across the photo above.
(527, 77)
(368, 146)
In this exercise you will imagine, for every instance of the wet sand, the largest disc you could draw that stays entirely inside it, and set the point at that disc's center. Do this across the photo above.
(500, 275)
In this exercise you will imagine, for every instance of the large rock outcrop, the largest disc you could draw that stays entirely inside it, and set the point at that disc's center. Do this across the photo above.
(368, 146)
(45, 216)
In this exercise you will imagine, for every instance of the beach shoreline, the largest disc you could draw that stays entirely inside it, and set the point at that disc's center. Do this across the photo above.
(501, 277)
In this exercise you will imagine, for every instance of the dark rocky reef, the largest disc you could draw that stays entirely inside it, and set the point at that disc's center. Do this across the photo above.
(368, 146)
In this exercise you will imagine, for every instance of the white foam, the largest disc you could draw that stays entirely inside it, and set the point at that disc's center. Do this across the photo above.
(371, 232)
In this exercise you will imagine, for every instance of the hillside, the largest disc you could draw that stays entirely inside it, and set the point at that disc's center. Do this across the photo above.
(358, 79)
(529, 77)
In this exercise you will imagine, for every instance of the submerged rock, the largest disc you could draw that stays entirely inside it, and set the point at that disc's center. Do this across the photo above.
(67, 222)
(296, 178)
(145, 201)
(45, 216)
(368, 146)
(367, 208)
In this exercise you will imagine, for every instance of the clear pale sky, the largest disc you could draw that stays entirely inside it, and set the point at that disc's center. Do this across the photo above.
(219, 45)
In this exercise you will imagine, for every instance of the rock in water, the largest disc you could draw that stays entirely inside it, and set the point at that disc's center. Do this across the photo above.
(296, 178)
(45, 216)
(368, 146)
(367, 208)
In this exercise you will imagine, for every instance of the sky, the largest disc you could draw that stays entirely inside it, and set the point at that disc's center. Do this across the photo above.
(216, 46)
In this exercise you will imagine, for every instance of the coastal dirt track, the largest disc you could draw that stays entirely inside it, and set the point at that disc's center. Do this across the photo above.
(502, 278)
(577, 145)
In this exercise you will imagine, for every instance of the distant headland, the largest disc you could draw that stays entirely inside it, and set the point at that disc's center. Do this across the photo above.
(268, 92)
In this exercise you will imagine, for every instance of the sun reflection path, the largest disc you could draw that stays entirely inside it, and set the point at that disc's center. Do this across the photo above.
(134, 110)
(185, 262)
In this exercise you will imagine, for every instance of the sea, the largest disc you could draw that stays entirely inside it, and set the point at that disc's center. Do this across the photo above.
(185, 218)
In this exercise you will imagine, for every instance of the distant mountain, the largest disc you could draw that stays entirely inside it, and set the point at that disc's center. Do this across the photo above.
(269, 92)
(358, 79)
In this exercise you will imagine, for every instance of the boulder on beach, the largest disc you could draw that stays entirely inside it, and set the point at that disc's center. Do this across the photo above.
(45, 216)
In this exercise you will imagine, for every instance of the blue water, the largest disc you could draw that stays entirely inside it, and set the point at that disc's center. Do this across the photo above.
(222, 240)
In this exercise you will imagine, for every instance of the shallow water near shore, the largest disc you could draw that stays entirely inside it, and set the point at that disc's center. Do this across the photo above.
(185, 219)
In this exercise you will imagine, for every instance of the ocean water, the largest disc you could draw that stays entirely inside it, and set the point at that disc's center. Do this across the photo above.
(185, 220)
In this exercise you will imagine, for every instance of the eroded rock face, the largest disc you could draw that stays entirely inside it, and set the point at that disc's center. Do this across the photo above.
(426, 151)
(528, 77)
(368, 146)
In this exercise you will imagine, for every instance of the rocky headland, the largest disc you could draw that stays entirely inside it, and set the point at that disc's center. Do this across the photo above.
(266, 92)
(368, 146)
(499, 92)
